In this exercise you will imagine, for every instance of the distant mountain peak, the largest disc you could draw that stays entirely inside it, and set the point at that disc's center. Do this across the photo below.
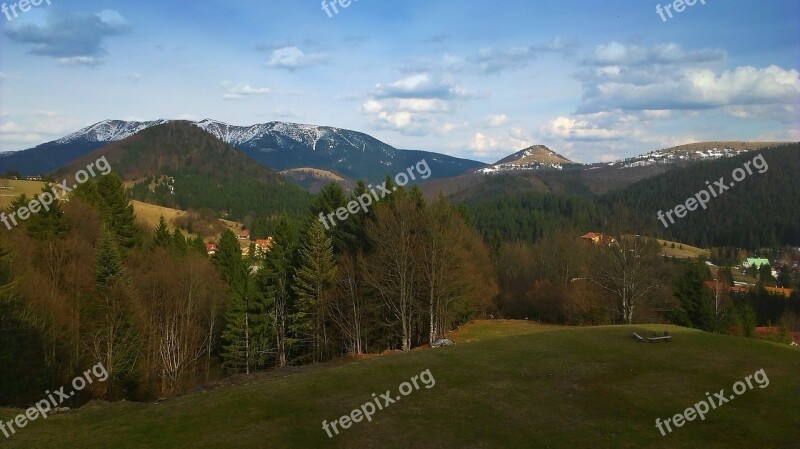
(109, 131)
(532, 158)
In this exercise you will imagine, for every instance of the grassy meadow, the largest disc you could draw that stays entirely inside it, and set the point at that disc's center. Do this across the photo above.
(506, 384)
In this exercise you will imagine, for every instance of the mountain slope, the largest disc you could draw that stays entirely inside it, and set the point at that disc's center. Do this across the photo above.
(570, 388)
(532, 158)
(538, 169)
(278, 145)
(284, 146)
(763, 209)
(692, 152)
(202, 171)
(49, 157)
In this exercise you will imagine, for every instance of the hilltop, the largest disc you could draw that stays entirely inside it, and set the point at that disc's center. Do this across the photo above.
(178, 165)
(532, 158)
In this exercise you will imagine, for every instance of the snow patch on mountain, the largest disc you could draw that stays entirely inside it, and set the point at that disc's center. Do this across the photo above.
(109, 131)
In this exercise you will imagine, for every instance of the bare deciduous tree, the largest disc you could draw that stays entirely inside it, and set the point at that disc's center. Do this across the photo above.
(626, 268)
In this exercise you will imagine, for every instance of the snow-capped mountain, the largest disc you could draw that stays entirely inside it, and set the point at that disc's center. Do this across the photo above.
(536, 157)
(108, 131)
(278, 145)
(701, 151)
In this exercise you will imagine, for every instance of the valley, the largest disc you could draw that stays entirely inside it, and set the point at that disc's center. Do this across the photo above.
(512, 225)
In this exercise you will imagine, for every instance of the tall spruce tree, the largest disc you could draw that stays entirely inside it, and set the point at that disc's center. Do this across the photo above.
(197, 245)
(49, 223)
(696, 308)
(228, 257)
(179, 242)
(108, 265)
(274, 281)
(161, 236)
(313, 284)
(241, 347)
(109, 330)
(119, 210)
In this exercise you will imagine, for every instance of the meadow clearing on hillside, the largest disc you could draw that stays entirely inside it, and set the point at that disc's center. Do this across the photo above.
(536, 387)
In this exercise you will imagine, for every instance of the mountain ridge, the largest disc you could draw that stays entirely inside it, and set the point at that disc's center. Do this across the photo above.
(277, 145)
(176, 164)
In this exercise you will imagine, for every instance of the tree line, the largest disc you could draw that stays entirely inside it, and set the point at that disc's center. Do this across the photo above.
(85, 283)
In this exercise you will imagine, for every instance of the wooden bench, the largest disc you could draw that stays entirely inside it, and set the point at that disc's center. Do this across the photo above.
(666, 337)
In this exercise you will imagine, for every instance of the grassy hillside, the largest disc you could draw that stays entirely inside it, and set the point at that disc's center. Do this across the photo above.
(12, 188)
(151, 214)
(681, 250)
(147, 213)
(571, 388)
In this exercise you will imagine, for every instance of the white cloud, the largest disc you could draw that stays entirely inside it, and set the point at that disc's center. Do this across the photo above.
(241, 90)
(412, 105)
(25, 130)
(493, 60)
(89, 61)
(482, 143)
(448, 127)
(667, 78)
(421, 85)
(73, 39)
(789, 135)
(572, 129)
(292, 58)
(496, 120)
(498, 144)
(617, 54)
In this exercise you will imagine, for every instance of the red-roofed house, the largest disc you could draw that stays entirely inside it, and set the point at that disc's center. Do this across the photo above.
(597, 238)
(263, 246)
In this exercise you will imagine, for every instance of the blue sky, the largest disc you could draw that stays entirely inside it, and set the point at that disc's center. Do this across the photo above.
(593, 80)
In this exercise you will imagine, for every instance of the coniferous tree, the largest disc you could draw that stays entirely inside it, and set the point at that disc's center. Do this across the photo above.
(329, 199)
(161, 236)
(228, 257)
(179, 242)
(109, 332)
(119, 209)
(88, 193)
(198, 245)
(274, 284)
(313, 283)
(694, 299)
(49, 223)
(108, 265)
(241, 345)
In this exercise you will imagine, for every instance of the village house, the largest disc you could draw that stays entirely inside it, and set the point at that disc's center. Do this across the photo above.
(743, 289)
(597, 238)
(262, 246)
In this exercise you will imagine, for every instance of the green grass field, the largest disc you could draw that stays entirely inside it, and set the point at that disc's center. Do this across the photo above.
(539, 387)
(12, 188)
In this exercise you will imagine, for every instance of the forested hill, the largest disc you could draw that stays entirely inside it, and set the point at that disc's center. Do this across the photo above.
(761, 210)
(203, 172)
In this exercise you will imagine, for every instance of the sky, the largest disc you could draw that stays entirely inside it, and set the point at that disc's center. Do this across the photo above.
(595, 81)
